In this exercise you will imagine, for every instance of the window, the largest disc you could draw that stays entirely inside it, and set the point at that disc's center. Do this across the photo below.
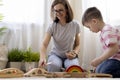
(23, 11)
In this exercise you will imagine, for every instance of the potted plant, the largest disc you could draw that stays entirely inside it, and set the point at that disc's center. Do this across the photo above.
(30, 59)
(15, 57)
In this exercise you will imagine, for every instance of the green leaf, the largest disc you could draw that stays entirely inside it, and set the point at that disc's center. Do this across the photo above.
(30, 56)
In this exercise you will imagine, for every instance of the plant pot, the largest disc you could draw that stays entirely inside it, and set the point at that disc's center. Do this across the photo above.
(3, 64)
(30, 65)
(15, 65)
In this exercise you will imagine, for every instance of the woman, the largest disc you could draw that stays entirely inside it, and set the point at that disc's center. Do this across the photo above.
(66, 37)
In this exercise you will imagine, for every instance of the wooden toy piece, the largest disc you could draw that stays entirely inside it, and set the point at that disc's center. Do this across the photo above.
(74, 68)
(35, 72)
(66, 75)
(11, 72)
(78, 74)
(57, 75)
(100, 75)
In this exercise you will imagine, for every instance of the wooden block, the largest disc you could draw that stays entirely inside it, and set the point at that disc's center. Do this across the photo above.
(78, 74)
(66, 75)
(74, 68)
(99, 75)
(57, 75)
(11, 72)
(35, 72)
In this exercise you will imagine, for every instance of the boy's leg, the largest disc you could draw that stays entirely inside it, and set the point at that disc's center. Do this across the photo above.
(56, 64)
(68, 63)
(110, 66)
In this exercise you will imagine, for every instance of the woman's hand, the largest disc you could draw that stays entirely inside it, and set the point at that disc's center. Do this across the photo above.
(70, 55)
(42, 62)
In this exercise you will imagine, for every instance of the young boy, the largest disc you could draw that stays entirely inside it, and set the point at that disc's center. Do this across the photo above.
(109, 61)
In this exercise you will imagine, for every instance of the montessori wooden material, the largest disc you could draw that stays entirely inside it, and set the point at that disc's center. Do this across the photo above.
(71, 72)
(11, 72)
(99, 75)
(35, 72)
(74, 68)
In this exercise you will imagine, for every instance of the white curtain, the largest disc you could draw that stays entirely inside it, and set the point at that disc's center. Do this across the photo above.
(91, 44)
(22, 35)
(25, 21)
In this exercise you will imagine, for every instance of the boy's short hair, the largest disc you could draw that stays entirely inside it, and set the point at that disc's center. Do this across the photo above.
(91, 13)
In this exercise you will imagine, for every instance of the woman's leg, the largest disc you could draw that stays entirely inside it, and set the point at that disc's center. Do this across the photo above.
(110, 66)
(56, 64)
(68, 63)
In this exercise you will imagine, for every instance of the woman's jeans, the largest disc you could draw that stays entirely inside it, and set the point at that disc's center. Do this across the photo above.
(58, 63)
(110, 66)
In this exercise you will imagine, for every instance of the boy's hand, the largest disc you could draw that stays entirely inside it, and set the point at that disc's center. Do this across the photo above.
(96, 62)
